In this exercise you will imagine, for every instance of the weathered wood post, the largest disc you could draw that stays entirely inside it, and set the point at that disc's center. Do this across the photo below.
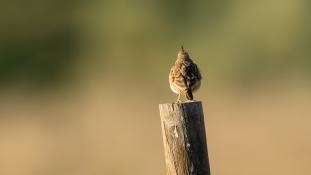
(184, 138)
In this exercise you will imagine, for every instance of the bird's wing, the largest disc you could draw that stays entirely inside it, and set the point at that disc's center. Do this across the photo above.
(178, 78)
(196, 72)
(192, 74)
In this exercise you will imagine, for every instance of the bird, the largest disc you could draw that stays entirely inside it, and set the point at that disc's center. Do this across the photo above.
(185, 76)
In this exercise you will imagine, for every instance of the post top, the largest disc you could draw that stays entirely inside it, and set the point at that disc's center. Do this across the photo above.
(182, 103)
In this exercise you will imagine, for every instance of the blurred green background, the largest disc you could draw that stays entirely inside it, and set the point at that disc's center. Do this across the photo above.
(80, 84)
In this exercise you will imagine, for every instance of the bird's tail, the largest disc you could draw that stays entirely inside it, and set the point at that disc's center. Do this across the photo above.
(189, 95)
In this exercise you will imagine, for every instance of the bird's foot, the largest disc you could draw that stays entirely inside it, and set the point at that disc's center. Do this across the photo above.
(178, 101)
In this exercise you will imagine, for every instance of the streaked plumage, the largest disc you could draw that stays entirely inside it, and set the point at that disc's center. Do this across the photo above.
(185, 76)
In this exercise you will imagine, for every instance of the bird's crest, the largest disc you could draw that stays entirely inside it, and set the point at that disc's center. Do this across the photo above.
(182, 48)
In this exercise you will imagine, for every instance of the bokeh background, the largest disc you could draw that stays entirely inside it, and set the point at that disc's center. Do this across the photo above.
(80, 84)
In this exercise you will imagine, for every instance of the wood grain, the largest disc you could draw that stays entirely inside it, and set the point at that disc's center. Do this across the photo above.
(184, 138)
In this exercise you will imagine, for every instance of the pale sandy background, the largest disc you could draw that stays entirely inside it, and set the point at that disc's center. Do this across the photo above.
(80, 84)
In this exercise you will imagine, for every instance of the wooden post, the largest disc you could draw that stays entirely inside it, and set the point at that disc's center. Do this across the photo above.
(184, 138)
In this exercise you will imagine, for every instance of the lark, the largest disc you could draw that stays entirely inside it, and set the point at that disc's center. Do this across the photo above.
(185, 77)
